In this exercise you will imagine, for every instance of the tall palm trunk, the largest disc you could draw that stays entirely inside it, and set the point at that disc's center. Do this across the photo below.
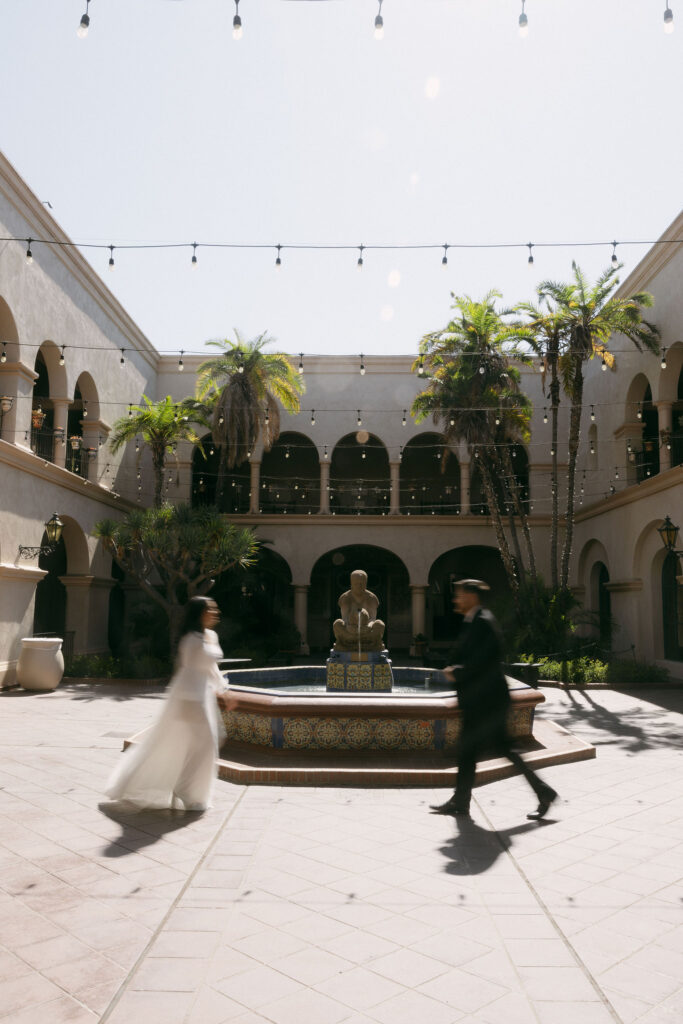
(159, 464)
(501, 473)
(519, 507)
(503, 545)
(574, 436)
(222, 478)
(555, 497)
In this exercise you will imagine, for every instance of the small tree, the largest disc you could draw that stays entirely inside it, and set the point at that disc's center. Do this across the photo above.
(175, 552)
(161, 425)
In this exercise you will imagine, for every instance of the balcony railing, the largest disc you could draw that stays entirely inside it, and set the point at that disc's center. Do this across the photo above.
(43, 444)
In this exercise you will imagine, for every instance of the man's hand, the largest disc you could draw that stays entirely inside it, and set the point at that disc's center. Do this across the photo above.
(449, 672)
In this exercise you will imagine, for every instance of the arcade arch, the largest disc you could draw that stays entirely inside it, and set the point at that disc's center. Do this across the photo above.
(290, 475)
(359, 476)
(430, 477)
(476, 561)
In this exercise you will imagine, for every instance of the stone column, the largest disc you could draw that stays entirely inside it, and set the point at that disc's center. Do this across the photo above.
(395, 499)
(60, 408)
(254, 487)
(17, 380)
(324, 509)
(418, 594)
(465, 488)
(301, 614)
(664, 409)
(78, 609)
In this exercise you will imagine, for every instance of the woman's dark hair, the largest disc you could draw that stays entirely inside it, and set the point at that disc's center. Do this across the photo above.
(194, 609)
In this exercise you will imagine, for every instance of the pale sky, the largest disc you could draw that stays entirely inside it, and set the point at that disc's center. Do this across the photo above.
(159, 127)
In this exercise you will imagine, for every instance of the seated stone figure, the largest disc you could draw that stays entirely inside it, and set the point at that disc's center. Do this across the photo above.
(358, 608)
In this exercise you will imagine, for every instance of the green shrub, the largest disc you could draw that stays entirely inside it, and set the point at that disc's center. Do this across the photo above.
(104, 666)
(574, 670)
(636, 672)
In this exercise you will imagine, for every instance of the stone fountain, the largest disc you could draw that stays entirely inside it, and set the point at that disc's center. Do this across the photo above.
(359, 660)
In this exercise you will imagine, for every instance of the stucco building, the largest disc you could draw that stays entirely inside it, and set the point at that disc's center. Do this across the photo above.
(352, 481)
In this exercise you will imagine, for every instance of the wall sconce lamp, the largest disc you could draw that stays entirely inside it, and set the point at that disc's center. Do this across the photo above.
(669, 534)
(53, 529)
(6, 405)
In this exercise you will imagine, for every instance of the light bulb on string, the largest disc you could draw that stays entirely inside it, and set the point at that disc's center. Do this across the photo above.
(359, 421)
(29, 254)
(523, 23)
(444, 258)
(84, 24)
(312, 417)
(359, 264)
(181, 365)
(616, 472)
(639, 412)
(592, 414)
(663, 361)
(404, 421)
(545, 414)
(111, 257)
(615, 258)
(421, 367)
(604, 364)
(122, 360)
(61, 356)
(193, 261)
(3, 354)
(668, 20)
(278, 259)
(85, 408)
(325, 453)
(237, 23)
(287, 452)
(301, 362)
(137, 445)
(266, 418)
(379, 23)
(362, 366)
(530, 246)
(130, 410)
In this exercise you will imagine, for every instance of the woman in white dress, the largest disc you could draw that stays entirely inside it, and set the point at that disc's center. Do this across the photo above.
(175, 764)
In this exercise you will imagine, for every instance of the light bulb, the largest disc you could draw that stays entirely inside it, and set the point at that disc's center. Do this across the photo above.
(379, 27)
(82, 29)
(29, 254)
(194, 255)
(523, 25)
(237, 27)
(668, 21)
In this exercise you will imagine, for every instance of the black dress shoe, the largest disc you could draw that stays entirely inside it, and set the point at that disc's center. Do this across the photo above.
(544, 803)
(450, 807)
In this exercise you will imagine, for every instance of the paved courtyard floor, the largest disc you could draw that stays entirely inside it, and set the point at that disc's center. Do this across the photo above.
(318, 906)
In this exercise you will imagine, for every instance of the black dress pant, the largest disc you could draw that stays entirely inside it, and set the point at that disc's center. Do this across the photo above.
(487, 737)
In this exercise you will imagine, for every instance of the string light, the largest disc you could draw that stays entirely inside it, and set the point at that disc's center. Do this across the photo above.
(122, 360)
(359, 421)
(545, 414)
(137, 445)
(604, 364)
(325, 455)
(639, 412)
(379, 23)
(130, 410)
(301, 362)
(531, 255)
(362, 366)
(592, 414)
(84, 25)
(359, 264)
(615, 259)
(85, 408)
(668, 19)
(181, 365)
(523, 23)
(29, 254)
(61, 357)
(312, 417)
(421, 367)
(404, 421)
(278, 260)
(237, 23)
(616, 472)
(663, 362)
(444, 258)
(194, 254)
(111, 257)
(3, 354)
(267, 418)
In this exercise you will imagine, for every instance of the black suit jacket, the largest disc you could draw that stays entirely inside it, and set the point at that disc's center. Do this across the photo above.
(479, 677)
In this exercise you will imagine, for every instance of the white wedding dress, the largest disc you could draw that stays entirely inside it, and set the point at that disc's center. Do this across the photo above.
(175, 763)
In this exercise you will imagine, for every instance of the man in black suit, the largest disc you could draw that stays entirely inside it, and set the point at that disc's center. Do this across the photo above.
(484, 700)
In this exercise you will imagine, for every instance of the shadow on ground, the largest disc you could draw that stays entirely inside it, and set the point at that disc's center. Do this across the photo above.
(140, 829)
(473, 850)
(645, 726)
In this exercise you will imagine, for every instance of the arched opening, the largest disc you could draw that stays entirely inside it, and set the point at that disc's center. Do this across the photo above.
(677, 425)
(430, 478)
(204, 472)
(672, 608)
(9, 348)
(257, 608)
(78, 454)
(42, 413)
(116, 612)
(49, 615)
(601, 603)
(359, 476)
(387, 578)
(290, 476)
(647, 459)
(475, 561)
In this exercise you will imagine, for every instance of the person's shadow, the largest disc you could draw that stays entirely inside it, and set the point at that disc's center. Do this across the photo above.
(141, 828)
(473, 849)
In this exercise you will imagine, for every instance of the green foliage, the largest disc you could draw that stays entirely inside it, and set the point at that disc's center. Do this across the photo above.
(94, 666)
(575, 670)
(584, 669)
(547, 619)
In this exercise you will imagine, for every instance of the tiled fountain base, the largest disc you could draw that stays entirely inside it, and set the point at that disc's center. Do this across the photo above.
(246, 764)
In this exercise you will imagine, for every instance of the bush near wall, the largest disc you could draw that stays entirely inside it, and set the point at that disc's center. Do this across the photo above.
(89, 666)
(584, 670)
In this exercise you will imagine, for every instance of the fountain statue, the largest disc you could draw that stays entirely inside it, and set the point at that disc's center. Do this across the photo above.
(358, 659)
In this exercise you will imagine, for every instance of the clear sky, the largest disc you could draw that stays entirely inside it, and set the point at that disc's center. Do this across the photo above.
(159, 127)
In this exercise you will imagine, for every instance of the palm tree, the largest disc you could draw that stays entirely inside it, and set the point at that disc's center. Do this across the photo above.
(161, 425)
(586, 317)
(241, 389)
(473, 394)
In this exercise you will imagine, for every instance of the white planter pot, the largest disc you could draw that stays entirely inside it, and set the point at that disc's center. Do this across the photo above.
(41, 663)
